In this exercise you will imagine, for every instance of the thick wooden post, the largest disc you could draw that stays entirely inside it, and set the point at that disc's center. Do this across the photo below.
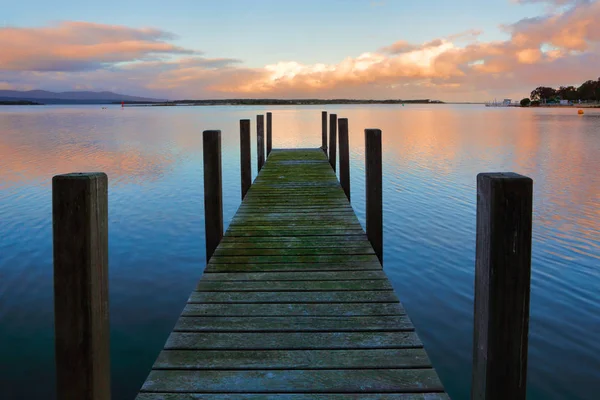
(324, 131)
(245, 156)
(332, 139)
(269, 133)
(81, 323)
(260, 140)
(213, 191)
(374, 190)
(502, 283)
(344, 156)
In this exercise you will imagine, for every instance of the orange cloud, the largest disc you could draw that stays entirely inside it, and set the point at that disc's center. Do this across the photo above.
(560, 48)
(75, 46)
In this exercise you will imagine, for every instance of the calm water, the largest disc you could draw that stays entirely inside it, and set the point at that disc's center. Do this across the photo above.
(153, 157)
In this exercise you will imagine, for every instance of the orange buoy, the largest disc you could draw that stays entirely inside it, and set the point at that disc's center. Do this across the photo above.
(580, 112)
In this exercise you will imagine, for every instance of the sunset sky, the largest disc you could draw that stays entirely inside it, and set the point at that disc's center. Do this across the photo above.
(460, 50)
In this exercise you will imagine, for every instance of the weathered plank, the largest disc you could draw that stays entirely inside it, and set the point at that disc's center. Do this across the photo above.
(292, 340)
(293, 396)
(295, 276)
(293, 359)
(292, 309)
(294, 324)
(363, 380)
(290, 286)
(290, 259)
(384, 296)
(291, 267)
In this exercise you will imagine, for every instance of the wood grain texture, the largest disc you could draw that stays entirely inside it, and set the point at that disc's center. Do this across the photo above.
(344, 156)
(502, 286)
(213, 190)
(81, 320)
(364, 380)
(374, 189)
(293, 359)
(260, 141)
(245, 156)
(332, 140)
(324, 131)
(294, 302)
(269, 133)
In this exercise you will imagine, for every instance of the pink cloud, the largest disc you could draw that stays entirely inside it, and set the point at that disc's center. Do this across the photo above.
(560, 48)
(76, 46)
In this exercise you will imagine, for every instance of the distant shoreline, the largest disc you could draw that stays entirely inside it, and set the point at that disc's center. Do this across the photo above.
(19, 103)
(274, 102)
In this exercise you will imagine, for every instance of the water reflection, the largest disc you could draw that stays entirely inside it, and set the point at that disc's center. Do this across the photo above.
(153, 157)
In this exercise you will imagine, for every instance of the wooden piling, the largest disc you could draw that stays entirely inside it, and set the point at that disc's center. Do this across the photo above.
(502, 285)
(324, 131)
(269, 133)
(332, 139)
(213, 191)
(81, 320)
(260, 140)
(374, 195)
(245, 156)
(344, 156)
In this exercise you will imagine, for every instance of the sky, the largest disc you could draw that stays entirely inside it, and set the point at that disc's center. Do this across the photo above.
(460, 50)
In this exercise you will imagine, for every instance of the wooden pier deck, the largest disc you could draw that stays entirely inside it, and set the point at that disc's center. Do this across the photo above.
(294, 303)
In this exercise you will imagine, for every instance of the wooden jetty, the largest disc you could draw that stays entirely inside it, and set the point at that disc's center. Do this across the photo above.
(294, 302)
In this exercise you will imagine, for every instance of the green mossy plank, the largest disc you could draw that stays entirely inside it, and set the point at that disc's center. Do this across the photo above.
(217, 259)
(303, 225)
(294, 232)
(293, 359)
(292, 340)
(383, 296)
(291, 267)
(295, 276)
(283, 286)
(340, 239)
(281, 217)
(318, 251)
(281, 381)
(293, 309)
(294, 324)
(292, 396)
(340, 247)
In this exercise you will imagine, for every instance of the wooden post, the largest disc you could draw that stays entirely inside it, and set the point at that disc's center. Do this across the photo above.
(374, 193)
(269, 133)
(245, 156)
(213, 191)
(81, 323)
(332, 139)
(344, 156)
(324, 131)
(502, 283)
(260, 140)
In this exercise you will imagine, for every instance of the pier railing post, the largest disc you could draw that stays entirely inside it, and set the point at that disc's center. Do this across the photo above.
(269, 133)
(324, 131)
(332, 139)
(245, 156)
(344, 156)
(374, 195)
(502, 284)
(213, 191)
(80, 250)
(260, 140)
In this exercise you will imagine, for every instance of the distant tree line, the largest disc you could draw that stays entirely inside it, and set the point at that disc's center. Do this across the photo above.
(588, 91)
